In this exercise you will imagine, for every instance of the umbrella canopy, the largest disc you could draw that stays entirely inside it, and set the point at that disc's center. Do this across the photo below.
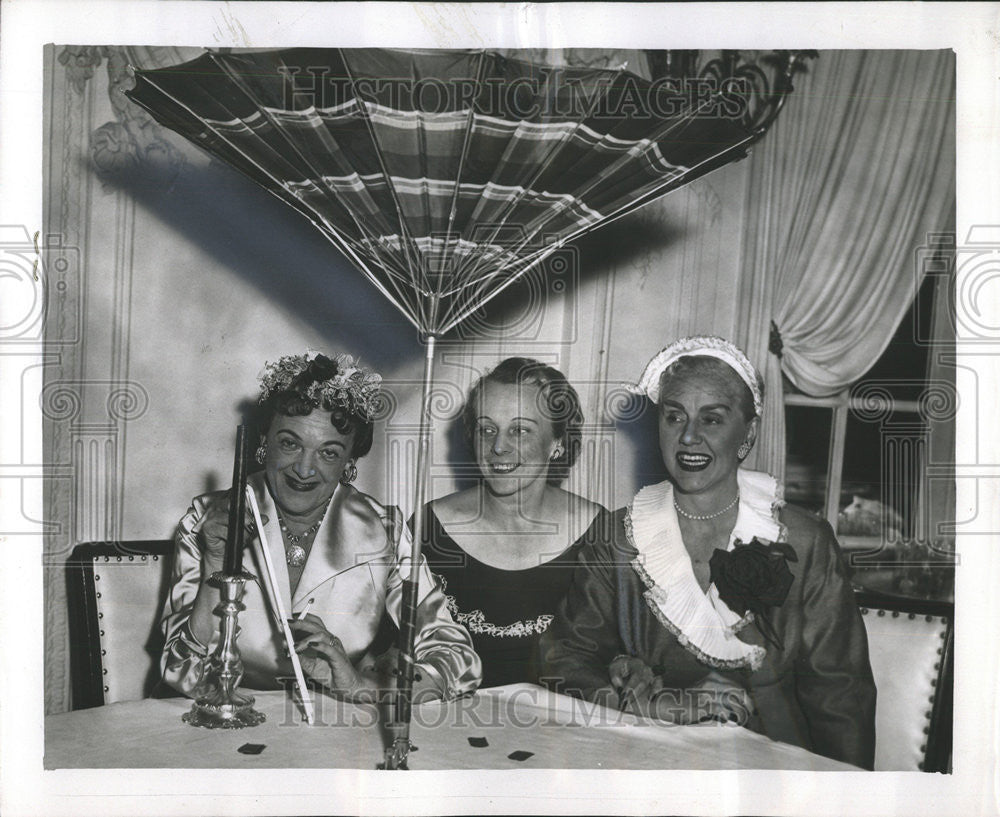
(445, 175)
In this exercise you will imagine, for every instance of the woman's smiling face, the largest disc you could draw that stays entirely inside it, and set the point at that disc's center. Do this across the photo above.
(513, 439)
(306, 457)
(702, 427)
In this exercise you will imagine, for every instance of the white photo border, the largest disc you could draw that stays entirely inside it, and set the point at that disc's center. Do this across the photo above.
(971, 29)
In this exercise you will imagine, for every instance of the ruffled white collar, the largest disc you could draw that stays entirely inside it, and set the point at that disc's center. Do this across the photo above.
(702, 622)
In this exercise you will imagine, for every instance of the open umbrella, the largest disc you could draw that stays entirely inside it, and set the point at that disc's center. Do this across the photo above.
(444, 176)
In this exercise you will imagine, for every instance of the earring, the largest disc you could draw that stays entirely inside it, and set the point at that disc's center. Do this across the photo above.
(350, 474)
(557, 453)
(262, 451)
(743, 450)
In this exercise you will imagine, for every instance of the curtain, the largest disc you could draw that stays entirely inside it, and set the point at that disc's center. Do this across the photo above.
(843, 192)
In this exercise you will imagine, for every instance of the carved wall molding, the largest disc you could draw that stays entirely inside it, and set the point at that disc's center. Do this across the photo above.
(88, 400)
(132, 142)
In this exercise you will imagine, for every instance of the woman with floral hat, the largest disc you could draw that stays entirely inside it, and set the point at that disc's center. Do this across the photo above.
(714, 600)
(338, 554)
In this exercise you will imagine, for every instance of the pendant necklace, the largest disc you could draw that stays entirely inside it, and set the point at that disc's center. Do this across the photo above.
(700, 517)
(295, 554)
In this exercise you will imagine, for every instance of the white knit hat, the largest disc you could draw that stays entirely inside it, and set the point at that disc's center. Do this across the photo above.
(701, 346)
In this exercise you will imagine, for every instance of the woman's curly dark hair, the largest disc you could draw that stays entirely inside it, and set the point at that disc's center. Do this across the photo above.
(294, 401)
(558, 402)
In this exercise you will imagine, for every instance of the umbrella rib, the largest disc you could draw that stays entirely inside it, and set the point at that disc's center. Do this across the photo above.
(664, 187)
(288, 198)
(534, 258)
(663, 131)
(285, 196)
(358, 262)
(316, 173)
(423, 259)
(466, 144)
(461, 316)
(382, 252)
(550, 156)
(406, 240)
(659, 190)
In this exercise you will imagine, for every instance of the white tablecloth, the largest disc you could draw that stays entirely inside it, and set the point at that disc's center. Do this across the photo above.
(557, 731)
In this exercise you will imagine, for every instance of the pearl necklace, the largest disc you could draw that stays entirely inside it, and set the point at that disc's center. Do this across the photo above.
(702, 518)
(295, 554)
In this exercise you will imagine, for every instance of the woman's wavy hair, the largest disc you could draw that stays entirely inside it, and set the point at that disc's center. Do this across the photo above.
(697, 367)
(558, 402)
(295, 401)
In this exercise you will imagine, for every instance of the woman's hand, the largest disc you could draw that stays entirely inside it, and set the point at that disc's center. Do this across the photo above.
(382, 671)
(323, 657)
(634, 683)
(213, 531)
(714, 698)
(721, 699)
(210, 535)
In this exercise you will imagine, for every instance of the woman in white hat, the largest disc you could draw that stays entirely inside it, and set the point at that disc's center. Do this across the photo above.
(712, 599)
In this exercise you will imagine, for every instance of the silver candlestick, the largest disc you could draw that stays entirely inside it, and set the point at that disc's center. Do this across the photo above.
(218, 702)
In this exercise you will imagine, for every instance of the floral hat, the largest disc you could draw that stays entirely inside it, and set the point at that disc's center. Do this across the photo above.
(329, 383)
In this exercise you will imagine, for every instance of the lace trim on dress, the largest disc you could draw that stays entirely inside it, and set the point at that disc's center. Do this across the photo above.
(655, 595)
(475, 620)
(700, 621)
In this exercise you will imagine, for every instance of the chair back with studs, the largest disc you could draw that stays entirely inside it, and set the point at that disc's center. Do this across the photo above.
(116, 592)
(910, 646)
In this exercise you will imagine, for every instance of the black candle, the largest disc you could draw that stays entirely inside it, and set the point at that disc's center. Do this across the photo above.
(233, 563)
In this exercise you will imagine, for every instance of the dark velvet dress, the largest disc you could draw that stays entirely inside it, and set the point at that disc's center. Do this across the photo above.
(816, 691)
(505, 611)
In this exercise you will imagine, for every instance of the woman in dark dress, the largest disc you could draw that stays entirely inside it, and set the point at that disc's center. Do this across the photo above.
(712, 599)
(504, 549)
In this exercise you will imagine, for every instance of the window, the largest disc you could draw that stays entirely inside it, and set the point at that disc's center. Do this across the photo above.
(859, 458)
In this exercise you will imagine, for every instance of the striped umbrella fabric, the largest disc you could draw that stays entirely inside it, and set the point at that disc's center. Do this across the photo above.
(445, 175)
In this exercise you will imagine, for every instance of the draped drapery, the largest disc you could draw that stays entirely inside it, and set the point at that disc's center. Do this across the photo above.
(842, 194)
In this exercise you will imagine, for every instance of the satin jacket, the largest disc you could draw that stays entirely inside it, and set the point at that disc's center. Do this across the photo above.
(816, 692)
(353, 577)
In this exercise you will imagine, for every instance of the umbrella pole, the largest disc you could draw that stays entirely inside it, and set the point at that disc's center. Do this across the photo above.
(399, 727)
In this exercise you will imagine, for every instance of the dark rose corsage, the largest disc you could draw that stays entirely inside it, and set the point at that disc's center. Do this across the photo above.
(754, 577)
